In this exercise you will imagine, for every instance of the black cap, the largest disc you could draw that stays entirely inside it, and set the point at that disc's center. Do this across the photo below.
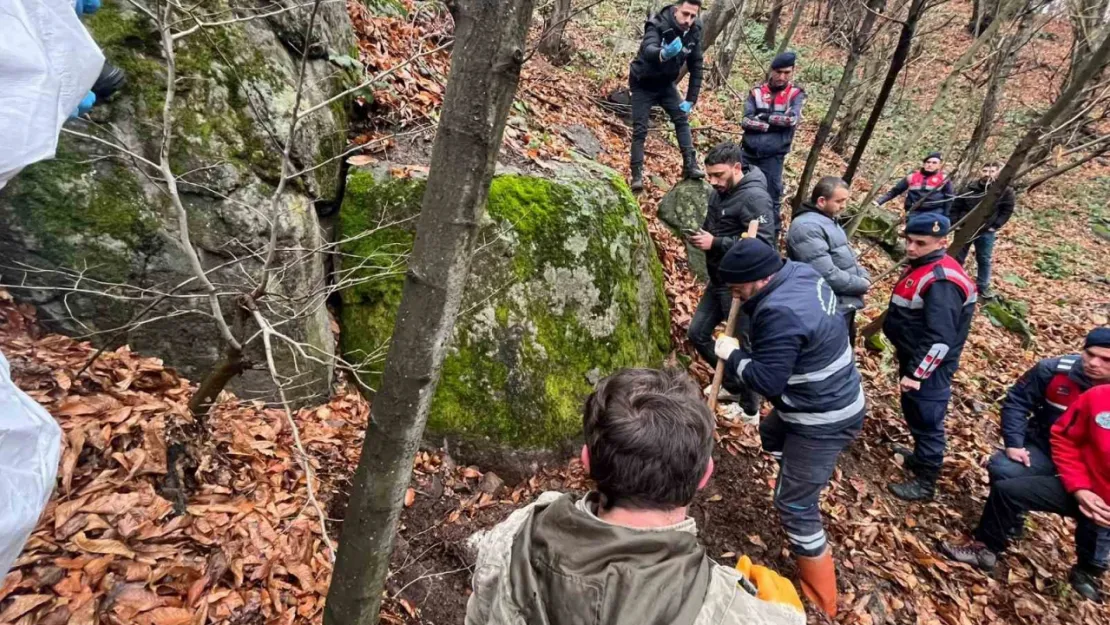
(749, 260)
(935, 155)
(1099, 337)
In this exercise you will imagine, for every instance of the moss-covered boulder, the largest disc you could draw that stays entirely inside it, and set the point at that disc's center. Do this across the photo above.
(564, 289)
(683, 208)
(884, 227)
(96, 211)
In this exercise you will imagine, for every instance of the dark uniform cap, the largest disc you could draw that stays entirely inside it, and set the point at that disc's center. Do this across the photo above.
(930, 224)
(784, 60)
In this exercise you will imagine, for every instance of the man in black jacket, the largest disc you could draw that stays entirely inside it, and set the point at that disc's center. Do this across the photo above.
(735, 201)
(671, 39)
(967, 201)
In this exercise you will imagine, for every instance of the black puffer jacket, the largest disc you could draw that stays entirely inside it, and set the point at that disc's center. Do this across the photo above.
(729, 214)
(648, 71)
(969, 199)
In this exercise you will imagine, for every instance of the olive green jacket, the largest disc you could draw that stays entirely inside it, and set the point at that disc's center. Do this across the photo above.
(555, 562)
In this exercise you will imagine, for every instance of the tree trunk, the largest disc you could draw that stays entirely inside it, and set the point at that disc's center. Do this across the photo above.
(1059, 171)
(1007, 54)
(901, 53)
(799, 8)
(485, 69)
(726, 54)
(942, 93)
(859, 44)
(551, 45)
(1088, 18)
(857, 101)
(773, 25)
(1083, 74)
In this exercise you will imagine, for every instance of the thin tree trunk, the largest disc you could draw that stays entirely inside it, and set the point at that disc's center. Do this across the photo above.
(726, 54)
(230, 366)
(857, 101)
(799, 8)
(975, 220)
(716, 21)
(1007, 55)
(897, 61)
(859, 44)
(551, 45)
(921, 124)
(485, 69)
(773, 25)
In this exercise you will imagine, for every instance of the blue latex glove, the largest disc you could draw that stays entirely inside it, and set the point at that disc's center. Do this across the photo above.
(686, 106)
(86, 7)
(672, 49)
(85, 105)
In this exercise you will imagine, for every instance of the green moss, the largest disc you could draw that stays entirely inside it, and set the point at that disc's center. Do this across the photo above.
(523, 351)
(84, 217)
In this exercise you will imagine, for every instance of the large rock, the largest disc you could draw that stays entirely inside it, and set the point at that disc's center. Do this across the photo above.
(884, 228)
(92, 211)
(565, 288)
(683, 208)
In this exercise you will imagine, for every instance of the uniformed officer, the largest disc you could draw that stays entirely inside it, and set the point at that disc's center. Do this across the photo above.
(928, 190)
(927, 321)
(771, 115)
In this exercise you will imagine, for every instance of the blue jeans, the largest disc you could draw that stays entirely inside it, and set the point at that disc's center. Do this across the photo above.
(984, 250)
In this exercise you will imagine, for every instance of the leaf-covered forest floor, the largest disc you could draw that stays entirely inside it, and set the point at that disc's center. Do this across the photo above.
(248, 548)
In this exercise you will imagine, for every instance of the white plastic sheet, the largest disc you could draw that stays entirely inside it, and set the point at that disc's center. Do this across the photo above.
(30, 443)
(48, 62)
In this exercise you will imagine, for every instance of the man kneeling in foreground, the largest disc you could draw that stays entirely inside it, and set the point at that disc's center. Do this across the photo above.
(626, 554)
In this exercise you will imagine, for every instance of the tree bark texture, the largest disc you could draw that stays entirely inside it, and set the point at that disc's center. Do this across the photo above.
(1088, 23)
(1083, 74)
(859, 44)
(555, 24)
(897, 62)
(726, 52)
(857, 102)
(716, 20)
(485, 70)
(799, 9)
(770, 34)
(1007, 54)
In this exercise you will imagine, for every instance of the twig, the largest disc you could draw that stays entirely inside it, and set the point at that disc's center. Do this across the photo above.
(428, 576)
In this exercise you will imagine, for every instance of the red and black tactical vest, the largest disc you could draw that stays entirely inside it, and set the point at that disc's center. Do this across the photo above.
(774, 102)
(1062, 390)
(909, 291)
(918, 181)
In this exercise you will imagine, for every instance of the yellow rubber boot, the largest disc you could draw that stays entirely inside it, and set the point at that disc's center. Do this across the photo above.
(818, 577)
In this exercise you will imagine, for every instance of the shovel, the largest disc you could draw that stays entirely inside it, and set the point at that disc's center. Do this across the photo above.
(730, 330)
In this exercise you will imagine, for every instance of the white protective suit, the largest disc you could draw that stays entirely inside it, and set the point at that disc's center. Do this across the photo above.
(48, 63)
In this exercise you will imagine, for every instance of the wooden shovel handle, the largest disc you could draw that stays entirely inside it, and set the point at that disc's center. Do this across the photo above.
(719, 374)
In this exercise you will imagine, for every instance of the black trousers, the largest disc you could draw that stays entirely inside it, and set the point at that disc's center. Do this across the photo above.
(643, 99)
(925, 418)
(1010, 499)
(850, 319)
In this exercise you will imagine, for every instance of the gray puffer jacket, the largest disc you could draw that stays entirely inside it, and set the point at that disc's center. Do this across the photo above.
(817, 240)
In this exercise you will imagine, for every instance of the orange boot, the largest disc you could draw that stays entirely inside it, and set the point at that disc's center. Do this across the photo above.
(818, 576)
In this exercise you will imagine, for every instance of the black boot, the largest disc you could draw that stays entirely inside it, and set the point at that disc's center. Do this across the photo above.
(690, 170)
(110, 81)
(1086, 584)
(917, 489)
(637, 183)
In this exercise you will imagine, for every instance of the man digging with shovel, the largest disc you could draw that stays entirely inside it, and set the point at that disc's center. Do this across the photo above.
(800, 359)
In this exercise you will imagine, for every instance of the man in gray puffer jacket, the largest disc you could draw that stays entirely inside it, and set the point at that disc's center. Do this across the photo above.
(815, 238)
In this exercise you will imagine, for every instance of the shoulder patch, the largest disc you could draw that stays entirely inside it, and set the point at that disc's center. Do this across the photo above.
(1103, 420)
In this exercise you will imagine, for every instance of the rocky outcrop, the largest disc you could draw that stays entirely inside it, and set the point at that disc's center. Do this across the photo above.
(95, 212)
(683, 208)
(565, 288)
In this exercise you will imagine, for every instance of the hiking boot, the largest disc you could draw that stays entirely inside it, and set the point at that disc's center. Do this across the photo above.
(637, 183)
(985, 293)
(690, 170)
(110, 80)
(976, 554)
(1086, 584)
(917, 489)
(909, 461)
